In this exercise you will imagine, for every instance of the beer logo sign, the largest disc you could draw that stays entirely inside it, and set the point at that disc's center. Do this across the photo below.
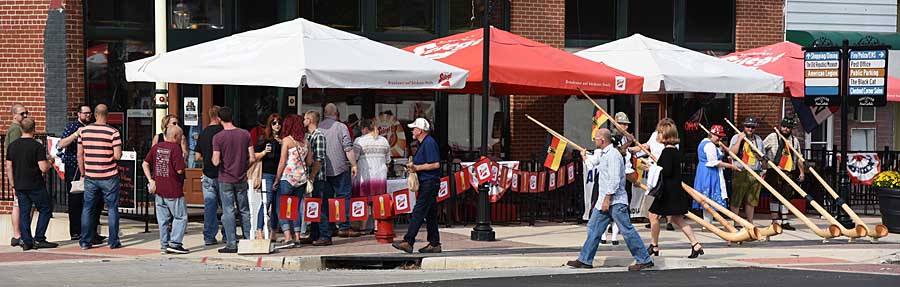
(444, 190)
(358, 209)
(444, 79)
(484, 172)
(402, 201)
(620, 83)
(312, 209)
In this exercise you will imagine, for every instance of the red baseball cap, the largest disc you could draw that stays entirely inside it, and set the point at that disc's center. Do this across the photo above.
(717, 130)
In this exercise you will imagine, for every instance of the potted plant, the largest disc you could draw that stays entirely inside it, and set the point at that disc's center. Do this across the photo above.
(887, 186)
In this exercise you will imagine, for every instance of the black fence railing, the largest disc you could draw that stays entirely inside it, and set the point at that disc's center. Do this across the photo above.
(143, 201)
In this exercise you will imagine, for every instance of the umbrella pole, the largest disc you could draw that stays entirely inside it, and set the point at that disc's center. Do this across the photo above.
(483, 230)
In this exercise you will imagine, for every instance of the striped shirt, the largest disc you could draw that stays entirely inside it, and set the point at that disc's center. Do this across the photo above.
(98, 142)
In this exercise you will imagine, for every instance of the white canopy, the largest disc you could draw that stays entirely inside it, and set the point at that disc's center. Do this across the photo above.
(670, 68)
(282, 55)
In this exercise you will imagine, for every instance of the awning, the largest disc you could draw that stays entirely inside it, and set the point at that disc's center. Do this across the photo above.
(519, 66)
(807, 37)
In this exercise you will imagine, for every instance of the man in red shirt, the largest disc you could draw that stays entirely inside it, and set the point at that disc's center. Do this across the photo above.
(167, 181)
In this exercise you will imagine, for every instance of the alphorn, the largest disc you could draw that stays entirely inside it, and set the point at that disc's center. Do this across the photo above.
(749, 232)
(879, 231)
(833, 230)
(852, 234)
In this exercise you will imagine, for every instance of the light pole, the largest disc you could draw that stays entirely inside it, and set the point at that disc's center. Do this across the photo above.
(482, 230)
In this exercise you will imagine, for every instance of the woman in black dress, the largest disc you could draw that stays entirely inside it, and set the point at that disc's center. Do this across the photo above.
(672, 200)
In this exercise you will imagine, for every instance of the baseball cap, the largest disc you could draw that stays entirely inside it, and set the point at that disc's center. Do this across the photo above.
(420, 123)
(622, 118)
(788, 122)
(717, 130)
(751, 122)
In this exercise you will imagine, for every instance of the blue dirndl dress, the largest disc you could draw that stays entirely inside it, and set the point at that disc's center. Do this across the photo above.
(707, 179)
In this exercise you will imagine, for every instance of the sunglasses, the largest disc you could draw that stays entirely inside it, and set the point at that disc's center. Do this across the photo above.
(24, 114)
(275, 123)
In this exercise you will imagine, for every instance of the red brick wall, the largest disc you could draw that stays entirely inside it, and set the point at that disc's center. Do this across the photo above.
(74, 56)
(22, 58)
(542, 21)
(759, 23)
(6, 207)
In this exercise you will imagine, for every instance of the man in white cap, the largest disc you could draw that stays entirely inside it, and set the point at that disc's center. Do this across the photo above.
(427, 166)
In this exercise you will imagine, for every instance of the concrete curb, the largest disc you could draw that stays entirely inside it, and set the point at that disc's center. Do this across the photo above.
(485, 262)
(297, 263)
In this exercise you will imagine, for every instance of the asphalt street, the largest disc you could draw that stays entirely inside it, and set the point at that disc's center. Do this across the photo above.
(731, 277)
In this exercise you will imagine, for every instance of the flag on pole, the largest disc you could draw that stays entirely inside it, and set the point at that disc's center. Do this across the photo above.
(555, 153)
(599, 119)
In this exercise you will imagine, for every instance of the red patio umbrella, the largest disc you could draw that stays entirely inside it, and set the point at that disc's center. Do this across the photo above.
(785, 59)
(519, 66)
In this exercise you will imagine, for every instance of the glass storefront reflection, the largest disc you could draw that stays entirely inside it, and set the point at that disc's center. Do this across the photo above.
(197, 14)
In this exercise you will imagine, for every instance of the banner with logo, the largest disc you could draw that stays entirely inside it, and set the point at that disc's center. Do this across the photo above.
(359, 209)
(337, 209)
(311, 210)
(383, 206)
(402, 202)
(444, 189)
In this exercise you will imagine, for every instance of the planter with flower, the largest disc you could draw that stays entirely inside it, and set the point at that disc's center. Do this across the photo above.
(887, 186)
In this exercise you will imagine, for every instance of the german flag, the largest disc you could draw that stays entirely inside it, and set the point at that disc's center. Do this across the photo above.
(599, 119)
(747, 155)
(786, 161)
(555, 153)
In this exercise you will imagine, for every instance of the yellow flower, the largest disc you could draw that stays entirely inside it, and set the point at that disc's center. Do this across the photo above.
(887, 179)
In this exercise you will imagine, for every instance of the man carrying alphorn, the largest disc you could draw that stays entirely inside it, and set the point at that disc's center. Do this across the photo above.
(746, 188)
(779, 151)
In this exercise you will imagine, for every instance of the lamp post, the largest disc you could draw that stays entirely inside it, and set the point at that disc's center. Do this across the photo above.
(482, 230)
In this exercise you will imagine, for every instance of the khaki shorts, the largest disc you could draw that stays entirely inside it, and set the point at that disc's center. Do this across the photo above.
(745, 189)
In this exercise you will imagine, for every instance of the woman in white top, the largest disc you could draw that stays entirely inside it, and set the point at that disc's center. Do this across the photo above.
(374, 153)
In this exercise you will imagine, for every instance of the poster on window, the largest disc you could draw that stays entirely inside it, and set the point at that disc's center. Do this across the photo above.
(191, 111)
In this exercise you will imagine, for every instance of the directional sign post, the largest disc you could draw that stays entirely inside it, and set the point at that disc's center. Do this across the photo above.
(868, 78)
(822, 77)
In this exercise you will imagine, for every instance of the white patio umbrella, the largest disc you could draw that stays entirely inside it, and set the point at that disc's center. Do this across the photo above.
(668, 68)
(294, 52)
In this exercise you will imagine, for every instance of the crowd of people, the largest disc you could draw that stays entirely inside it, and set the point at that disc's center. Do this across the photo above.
(670, 201)
(308, 155)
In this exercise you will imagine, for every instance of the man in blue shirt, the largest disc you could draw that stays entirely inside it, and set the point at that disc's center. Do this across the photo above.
(612, 205)
(427, 165)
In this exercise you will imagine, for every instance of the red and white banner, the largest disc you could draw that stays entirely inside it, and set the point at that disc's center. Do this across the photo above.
(560, 178)
(516, 180)
(358, 209)
(311, 210)
(570, 170)
(863, 167)
(402, 202)
(444, 189)
(551, 180)
(462, 184)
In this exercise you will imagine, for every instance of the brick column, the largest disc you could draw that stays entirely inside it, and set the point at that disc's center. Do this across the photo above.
(22, 59)
(759, 23)
(542, 21)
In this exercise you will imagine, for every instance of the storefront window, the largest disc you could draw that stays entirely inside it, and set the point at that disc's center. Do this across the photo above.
(466, 15)
(119, 13)
(709, 21)
(252, 15)
(591, 19)
(652, 18)
(130, 103)
(338, 14)
(197, 14)
(406, 16)
(464, 118)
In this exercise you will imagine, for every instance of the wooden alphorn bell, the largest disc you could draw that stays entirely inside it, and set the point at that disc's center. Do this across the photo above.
(745, 234)
(879, 231)
(748, 233)
(852, 234)
(833, 231)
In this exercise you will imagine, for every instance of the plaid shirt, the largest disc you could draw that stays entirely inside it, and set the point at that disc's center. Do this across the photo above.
(317, 147)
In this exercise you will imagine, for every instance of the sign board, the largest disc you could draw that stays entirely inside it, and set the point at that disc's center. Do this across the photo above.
(191, 111)
(867, 81)
(292, 101)
(822, 78)
(127, 166)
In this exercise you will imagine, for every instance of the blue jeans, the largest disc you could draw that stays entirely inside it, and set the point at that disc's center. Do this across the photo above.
(286, 189)
(40, 199)
(211, 203)
(425, 211)
(174, 209)
(597, 225)
(232, 193)
(338, 186)
(322, 230)
(93, 190)
(271, 203)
